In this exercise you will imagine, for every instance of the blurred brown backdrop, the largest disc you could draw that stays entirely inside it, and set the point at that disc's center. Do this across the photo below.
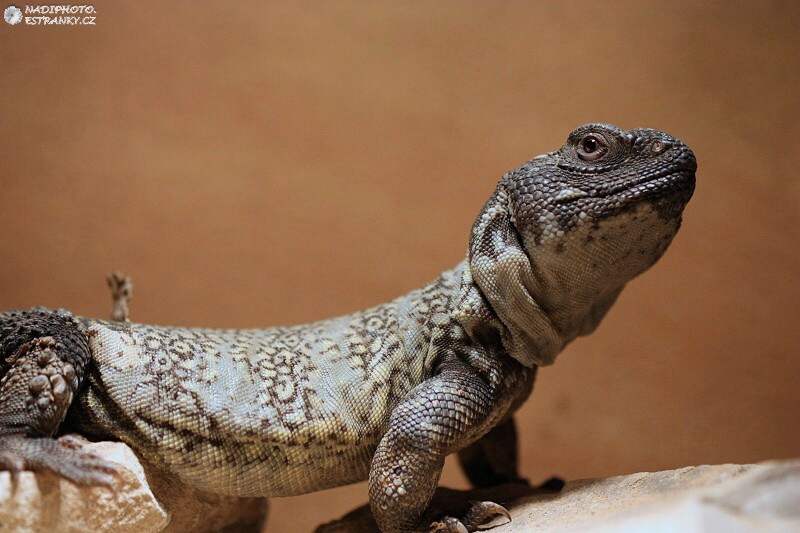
(284, 163)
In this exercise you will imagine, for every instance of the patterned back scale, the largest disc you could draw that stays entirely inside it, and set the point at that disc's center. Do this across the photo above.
(307, 404)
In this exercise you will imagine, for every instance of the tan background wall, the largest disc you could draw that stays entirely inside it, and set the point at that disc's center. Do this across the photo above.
(269, 165)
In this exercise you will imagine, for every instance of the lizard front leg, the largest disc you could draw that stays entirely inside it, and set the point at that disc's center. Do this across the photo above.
(432, 421)
(42, 360)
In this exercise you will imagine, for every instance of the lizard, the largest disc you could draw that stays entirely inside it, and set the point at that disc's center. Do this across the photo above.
(383, 394)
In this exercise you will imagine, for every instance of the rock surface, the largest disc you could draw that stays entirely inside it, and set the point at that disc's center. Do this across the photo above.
(762, 497)
(140, 502)
(735, 498)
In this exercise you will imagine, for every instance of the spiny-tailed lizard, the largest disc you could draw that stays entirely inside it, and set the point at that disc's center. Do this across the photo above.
(384, 394)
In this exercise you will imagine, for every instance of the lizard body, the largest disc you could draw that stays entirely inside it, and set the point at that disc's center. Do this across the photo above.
(384, 394)
(306, 405)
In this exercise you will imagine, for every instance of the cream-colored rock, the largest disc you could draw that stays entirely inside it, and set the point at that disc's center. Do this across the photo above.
(140, 503)
(43, 501)
(762, 497)
(731, 498)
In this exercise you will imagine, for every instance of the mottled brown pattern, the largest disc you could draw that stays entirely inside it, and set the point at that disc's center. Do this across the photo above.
(305, 405)
(387, 393)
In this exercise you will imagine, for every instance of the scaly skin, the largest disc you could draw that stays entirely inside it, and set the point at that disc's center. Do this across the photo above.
(384, 394)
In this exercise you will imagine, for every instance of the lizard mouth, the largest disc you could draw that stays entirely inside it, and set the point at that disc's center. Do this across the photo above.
(664, 184)
(677, 174)
(660, 184)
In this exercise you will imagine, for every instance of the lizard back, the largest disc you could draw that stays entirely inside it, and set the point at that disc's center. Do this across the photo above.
(304, 405)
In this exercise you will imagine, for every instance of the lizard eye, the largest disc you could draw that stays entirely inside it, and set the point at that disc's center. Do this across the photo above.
(592, 147)
(659, 146)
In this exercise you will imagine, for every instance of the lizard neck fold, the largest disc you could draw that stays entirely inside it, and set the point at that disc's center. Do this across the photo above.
(498, 285)
(563, 233)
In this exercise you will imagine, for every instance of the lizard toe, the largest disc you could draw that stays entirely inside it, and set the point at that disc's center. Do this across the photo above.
(72, 441)
(18, 453)
(448, 524)
(554, 484)
(485, 515)
(481, 515)
(12, 463)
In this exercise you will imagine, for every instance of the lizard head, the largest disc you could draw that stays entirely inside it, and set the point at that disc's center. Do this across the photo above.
(563, 234)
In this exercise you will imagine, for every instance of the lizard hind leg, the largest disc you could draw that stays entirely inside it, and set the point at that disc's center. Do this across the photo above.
(42, 359)
(492, 460)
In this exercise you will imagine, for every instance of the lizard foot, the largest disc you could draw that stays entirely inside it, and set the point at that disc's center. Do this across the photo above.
(554, 484)
(63, 456)
(481, 515)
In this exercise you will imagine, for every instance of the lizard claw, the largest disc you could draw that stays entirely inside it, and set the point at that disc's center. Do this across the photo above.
(72, 441)
(448, 524)
(65, 457)
(481, 515)
(12, 463)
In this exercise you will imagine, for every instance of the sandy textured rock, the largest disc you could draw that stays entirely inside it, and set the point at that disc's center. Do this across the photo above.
(762, 497)
(732, 498)
(44, 502)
